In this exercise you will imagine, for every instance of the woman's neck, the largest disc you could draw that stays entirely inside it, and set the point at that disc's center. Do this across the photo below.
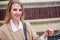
(16, 22)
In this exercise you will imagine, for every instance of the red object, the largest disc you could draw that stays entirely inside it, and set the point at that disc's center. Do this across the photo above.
(49, 32)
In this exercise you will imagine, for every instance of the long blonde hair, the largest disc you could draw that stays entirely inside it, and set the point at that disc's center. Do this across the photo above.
(11, 2)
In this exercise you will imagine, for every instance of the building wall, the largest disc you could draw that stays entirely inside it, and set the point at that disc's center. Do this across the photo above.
(40, 25)
(37, 13)
(36, 9)
(42, 13)
(30, 1)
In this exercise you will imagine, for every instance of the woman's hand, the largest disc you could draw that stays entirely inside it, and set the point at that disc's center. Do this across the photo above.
(48, 32)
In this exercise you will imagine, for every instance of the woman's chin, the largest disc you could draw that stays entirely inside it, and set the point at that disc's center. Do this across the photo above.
(17, 19)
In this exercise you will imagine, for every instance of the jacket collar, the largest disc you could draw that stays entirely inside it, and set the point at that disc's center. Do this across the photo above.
(14, 28)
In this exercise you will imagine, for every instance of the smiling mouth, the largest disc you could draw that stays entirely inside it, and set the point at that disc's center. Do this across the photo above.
(18, 16)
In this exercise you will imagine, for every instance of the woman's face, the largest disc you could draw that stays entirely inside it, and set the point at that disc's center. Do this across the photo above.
(16, 11)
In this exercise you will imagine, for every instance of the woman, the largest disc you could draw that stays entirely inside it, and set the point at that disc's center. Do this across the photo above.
(15, 28)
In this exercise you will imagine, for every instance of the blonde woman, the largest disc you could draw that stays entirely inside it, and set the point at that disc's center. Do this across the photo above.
(15, 28)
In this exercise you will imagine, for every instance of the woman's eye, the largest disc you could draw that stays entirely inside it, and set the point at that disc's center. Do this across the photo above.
(20, 9)
(15, 9)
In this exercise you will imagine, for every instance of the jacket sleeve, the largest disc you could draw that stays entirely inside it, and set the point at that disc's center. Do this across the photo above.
(3, 36)
(34, 35)
(42, 38)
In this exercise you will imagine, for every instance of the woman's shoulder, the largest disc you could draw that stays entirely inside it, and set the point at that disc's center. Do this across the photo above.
(26, 22)
(3, 27)
(3, 32)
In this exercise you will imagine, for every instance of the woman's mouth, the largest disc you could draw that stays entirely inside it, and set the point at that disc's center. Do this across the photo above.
(17, 15)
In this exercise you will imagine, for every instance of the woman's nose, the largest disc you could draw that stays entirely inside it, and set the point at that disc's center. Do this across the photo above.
(18, 11)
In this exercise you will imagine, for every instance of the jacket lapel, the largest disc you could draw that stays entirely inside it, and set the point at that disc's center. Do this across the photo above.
(12, 33)
(29, 35)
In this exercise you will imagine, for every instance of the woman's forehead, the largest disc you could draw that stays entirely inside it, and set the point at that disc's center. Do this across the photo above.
(16, 5)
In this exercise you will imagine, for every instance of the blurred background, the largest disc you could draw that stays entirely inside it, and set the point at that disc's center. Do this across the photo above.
(42, 14)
